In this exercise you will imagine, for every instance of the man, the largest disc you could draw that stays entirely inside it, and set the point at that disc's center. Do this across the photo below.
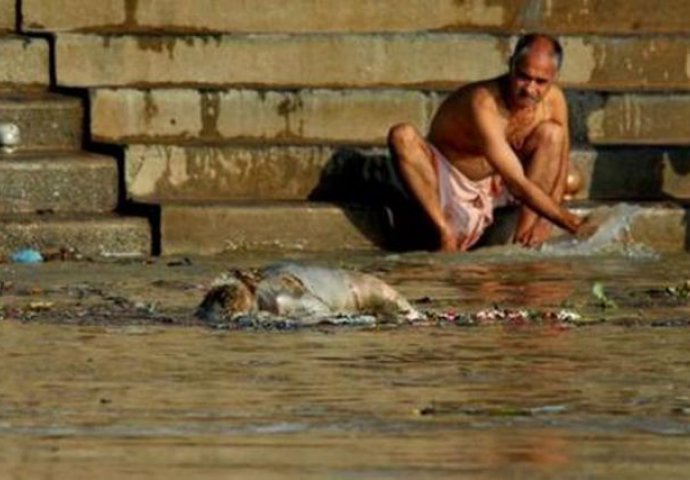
(490, 142)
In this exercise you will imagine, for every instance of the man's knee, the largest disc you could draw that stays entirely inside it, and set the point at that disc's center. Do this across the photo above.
(549, 133)
(403, 136)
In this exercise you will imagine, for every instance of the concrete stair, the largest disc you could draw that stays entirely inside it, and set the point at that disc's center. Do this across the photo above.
(23, 62)
(214, 227)
(46, 121)
(58, 182)
(235, 172)
(55, 196)
(333, 16)
(229, 114)
(91, 235)
(352, 116)
(419, 60)
(635, 119)
(8, 16)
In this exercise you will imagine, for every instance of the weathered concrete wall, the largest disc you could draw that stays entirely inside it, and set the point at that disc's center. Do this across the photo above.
(213, 228)
(225, 172)
(274, 117)
(302, 16)
(8, 15)
(24, 63)
(46, 121)
(659, 119)
(361, 61)
(235, 172)
(220, 100)
(70, 182)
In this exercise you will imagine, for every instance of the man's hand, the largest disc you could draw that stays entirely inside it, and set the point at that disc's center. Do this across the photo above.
(589, 226)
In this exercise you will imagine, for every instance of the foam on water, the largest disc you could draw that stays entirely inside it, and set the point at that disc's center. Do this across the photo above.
(613, 236)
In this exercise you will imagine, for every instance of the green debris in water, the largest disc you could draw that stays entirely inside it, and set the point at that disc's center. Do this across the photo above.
(603, 300)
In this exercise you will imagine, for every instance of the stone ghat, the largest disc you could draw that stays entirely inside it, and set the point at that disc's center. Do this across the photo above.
(416, 60)
(304, 16)
(226, 111)
(352, 116)
(240, 172)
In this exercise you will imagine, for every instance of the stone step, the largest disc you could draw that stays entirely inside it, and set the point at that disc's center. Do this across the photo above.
(353, 117)
(634, 119)
(232, 172)
(427, 60)
(24, 62)
(304, 117)
(8, 15)
(58, 182)
(213, 227)
(46, 121)
(210, 228)
(319, 116)
(235, 16)
(225, 172)
(662, 227)
(620, 173)
(90, 235)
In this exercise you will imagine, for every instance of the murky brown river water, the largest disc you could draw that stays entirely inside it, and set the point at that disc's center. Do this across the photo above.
(606, 400)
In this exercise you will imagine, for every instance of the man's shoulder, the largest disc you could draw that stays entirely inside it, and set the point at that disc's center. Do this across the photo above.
(556, 94)
(483, 94)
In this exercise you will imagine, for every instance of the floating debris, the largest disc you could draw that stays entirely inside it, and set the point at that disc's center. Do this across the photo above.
(27, 256)
(603, 301)
(510, 317)
(489, 411)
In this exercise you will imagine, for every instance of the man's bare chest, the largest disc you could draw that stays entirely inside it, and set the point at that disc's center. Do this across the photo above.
(521, 125)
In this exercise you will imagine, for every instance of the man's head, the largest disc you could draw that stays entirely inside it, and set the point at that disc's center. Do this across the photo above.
(534, 65)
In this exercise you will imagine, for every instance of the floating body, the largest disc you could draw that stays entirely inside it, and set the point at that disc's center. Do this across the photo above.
(309, 294)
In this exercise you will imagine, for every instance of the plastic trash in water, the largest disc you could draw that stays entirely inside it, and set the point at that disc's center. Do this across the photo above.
(27, 255)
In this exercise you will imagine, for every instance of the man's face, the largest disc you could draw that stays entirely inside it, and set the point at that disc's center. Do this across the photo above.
(531, 78)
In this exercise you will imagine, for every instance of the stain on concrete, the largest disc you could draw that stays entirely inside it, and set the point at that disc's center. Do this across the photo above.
(158, 44)
(150, 107)
(209, 111)
(644, 63)
(291, 104)
(131, 8)
(224, 173)
(529, 16)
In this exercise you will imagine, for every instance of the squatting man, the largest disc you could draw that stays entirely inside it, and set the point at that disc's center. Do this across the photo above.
(491, 143)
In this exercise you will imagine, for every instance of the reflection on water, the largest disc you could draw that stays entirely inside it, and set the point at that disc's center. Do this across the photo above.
(416, 402)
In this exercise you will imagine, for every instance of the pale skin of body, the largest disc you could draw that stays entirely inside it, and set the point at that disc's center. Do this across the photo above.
(514, 126)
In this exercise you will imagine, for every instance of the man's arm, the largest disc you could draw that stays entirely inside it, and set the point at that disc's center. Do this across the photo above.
(560, 116)
(533, 229)
(503, 159)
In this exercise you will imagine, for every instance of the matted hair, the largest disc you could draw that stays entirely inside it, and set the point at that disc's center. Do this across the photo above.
(524, 46)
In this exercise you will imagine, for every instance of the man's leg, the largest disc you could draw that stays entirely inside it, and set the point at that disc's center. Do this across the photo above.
(415, 161)
(546, 166)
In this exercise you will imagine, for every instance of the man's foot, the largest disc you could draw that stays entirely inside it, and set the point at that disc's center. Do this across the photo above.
(448, 241)
(538, 234)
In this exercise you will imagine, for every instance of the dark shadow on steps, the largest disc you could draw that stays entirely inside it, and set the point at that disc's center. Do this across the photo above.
(371, 182)
(679, 161)
(625, 173)
(125, 206)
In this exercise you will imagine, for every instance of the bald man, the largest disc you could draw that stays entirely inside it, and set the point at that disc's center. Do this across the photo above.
(492, 143)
